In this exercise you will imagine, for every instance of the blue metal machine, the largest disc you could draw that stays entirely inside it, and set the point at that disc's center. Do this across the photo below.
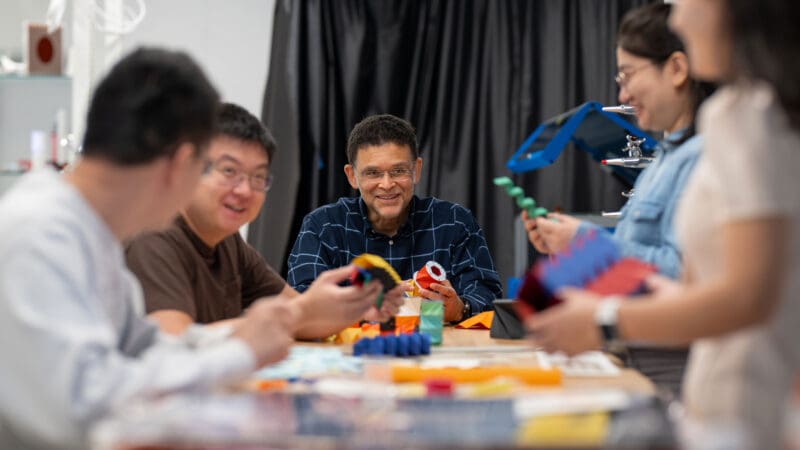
(601, 133)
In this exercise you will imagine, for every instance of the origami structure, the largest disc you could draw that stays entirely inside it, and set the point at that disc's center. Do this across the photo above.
(369, 267)
(592, 262)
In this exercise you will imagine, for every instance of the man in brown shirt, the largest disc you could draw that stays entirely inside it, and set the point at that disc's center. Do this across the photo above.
(201, 270)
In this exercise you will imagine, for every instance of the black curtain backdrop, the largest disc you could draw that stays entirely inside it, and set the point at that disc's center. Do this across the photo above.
(474, 77)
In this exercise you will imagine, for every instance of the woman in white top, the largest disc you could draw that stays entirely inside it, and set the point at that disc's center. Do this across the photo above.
(739, 226)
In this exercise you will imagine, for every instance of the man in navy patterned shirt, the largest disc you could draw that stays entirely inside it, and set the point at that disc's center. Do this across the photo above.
(390, 221)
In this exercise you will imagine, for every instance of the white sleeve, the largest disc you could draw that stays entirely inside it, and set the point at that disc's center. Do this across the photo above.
(751, 145)
(198, 336)
(65, 356)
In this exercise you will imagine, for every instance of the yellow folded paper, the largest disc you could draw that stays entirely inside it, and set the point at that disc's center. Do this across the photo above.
(578, 430)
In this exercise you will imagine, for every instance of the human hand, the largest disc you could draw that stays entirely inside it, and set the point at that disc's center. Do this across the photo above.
(569, 326)
(444, 292)
(267, 328)
(556, 231)
(662, 286)
(392, 301)
(534, 236)
(329, 306)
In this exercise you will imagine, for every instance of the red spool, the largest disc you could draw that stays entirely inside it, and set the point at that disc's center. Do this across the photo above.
(431, 272)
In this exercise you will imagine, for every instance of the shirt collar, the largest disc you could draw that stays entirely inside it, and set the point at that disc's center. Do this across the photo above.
(668, 143)
(205, 251)
(405, 229)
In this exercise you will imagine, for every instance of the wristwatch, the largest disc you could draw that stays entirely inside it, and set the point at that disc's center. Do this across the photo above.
(605, 316)
(466, 311)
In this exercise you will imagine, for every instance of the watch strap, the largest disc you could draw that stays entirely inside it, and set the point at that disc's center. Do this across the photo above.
(606, 318)
(466, 312)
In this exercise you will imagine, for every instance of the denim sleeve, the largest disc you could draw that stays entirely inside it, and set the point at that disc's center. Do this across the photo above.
(664, 256)
(650, 225)
(475, 278)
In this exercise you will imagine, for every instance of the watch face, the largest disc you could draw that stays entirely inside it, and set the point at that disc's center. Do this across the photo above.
(606, 313)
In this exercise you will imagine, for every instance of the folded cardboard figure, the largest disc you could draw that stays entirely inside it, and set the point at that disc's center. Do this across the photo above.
(592, 262)
(369, 267)
(505, 323)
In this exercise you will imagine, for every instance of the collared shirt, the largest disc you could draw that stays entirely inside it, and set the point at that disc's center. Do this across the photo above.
(75, 342)
(645, 228)
(436, 230)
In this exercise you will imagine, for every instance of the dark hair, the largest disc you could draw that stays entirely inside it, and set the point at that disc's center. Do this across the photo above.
(379, 130)
(236, 122)
(149, 103)
(766, 46)
(645, 32)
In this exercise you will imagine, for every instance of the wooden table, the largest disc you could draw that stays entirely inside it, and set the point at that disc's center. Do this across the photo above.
(297, 419)
(630, 380)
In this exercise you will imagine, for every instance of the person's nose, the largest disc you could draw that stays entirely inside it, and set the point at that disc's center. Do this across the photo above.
(624, 97)
(385, 181)
(242, 186)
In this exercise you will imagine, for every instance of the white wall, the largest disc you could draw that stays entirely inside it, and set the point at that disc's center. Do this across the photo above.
(12, 13)
(230, 39)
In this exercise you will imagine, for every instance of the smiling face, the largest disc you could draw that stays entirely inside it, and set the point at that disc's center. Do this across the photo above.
(385, 176)
(221, 204)
(659, 92)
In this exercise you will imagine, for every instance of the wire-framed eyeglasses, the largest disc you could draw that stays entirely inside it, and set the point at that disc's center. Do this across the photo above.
(230, 175)
(396, 174)
(623, 77)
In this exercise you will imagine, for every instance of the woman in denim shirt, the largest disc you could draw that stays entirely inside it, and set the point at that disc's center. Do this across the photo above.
(654, 78)
(644, 230)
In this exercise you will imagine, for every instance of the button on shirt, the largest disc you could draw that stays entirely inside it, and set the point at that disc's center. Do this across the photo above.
(436, 230)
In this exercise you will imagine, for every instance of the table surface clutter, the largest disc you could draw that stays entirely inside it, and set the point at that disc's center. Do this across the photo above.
(471, 391)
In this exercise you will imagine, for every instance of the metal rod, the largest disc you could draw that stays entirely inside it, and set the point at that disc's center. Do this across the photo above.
(621, 109)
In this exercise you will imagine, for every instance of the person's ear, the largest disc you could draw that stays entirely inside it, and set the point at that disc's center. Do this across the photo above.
(182, 163)
(678, 66)
(350, 171)
(417, 169)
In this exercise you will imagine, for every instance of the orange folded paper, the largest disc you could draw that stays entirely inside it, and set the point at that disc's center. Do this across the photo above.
(528, 375)
(352, 334)
(482, 321)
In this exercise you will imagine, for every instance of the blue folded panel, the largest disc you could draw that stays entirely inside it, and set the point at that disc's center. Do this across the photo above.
(599, 133)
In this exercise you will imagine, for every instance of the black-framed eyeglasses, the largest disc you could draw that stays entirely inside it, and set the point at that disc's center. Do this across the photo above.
(232, 176)
(623, 77)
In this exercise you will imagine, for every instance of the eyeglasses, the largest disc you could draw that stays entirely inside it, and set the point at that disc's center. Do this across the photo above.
(624, 77)
(396, 174)
(232, 176)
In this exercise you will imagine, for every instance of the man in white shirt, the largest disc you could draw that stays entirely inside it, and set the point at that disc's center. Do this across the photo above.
(75, 343)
